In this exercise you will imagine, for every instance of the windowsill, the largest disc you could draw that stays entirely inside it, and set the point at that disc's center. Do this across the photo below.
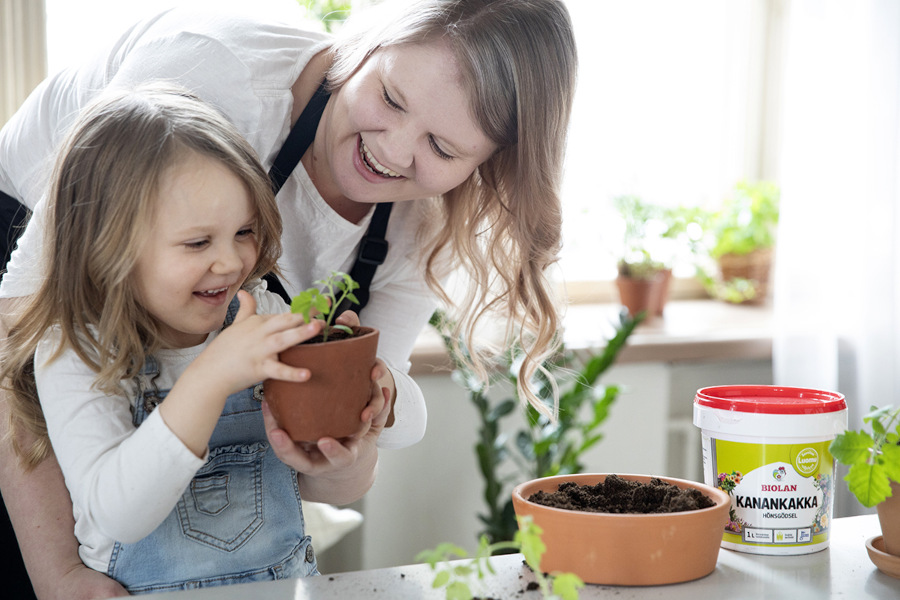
(689, 331)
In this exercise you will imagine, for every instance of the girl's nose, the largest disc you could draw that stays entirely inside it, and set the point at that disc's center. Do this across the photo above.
(227, 260)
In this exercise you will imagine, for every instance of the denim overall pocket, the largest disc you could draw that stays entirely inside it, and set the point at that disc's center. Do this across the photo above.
(222, 507)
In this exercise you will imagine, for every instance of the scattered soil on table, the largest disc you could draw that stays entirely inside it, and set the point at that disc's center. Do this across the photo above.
(617, 495)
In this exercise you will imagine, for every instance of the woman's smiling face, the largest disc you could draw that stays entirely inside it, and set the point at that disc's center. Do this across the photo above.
(399, 129)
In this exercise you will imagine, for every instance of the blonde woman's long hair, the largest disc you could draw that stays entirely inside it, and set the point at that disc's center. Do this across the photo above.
(502, 225)
(101, 206)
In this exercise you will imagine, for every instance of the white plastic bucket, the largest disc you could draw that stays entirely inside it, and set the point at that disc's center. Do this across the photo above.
(767, 446)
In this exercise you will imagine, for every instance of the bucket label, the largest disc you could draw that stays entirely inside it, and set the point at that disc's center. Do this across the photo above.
(781, 494)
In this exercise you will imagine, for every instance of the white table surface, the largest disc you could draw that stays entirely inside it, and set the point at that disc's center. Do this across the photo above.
(841, 571)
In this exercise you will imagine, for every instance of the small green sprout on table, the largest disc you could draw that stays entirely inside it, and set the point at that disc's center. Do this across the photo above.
(873, 458)
(312, 302)
(455, 577)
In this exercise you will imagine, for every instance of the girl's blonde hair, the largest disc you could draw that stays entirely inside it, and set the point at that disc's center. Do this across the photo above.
(101, 204)
(502, 225)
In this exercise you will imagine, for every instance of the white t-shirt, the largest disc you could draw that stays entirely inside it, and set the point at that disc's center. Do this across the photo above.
(244, 64)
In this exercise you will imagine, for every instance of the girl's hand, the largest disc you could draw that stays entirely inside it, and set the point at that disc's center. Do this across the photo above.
(247, 351)
(242, 355)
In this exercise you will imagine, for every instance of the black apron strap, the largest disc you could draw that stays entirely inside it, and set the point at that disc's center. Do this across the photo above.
(373, 248)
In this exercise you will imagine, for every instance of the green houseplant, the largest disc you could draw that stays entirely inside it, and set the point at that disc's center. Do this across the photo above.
(538, 447)
(741, 238)
(340, 361)
(874, 474)
(458, 578)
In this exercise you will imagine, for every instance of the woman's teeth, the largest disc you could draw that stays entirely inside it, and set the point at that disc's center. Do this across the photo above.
(372, 164)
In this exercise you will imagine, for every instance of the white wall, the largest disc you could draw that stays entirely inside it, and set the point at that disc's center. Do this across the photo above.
(431, 493)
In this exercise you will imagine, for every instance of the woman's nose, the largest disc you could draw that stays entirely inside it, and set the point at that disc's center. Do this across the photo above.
(397, 148)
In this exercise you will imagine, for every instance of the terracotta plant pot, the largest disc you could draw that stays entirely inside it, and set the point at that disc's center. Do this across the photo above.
(627, 549)
(889, 517)
(754, 266)
(644, 295)
(330, 402)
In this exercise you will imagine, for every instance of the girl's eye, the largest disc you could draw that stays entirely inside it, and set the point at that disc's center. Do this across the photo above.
(388, 100)
(437, 149)
(197, 244)
(246, 231)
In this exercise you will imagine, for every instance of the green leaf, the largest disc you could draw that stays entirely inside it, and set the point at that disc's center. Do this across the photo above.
(891, 461)
(852, 447)
(566, 585)
(441, 579)
(869, 483)
(459, 590)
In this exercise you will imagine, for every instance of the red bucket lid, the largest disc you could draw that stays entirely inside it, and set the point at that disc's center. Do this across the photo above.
(770, 399)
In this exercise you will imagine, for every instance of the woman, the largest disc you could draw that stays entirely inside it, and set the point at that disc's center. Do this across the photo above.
(461, 105)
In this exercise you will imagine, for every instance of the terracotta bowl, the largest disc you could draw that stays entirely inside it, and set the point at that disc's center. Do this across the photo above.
(627, 549)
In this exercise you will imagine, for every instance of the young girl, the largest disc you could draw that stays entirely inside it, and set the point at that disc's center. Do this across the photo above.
(159, 214)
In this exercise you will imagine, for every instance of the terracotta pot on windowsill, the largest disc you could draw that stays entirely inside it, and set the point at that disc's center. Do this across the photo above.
(329, 404)
(647, 295)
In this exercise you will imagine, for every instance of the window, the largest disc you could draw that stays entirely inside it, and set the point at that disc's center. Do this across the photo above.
(669, 107)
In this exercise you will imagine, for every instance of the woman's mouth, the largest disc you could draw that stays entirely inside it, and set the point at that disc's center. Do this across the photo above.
(372, 163)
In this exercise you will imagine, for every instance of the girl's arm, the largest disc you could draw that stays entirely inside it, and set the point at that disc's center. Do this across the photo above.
(40, 510)
(125, 481)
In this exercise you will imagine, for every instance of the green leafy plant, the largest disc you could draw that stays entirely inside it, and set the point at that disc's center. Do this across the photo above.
(456, 577)
(313, 301)
(654, 235)
(331, 13)
(746, 221)
(873, 457)
(539, 447)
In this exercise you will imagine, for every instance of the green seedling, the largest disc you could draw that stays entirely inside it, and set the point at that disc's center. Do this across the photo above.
(457, 577)
(873, 458)
(316, 302)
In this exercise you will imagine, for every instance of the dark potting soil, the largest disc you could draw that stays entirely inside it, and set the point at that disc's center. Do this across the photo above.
(617, 495)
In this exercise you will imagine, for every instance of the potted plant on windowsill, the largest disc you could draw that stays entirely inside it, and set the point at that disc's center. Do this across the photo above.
(741, 237)
(340, 361)
(653, 238)
(874, 478)
(643, 276)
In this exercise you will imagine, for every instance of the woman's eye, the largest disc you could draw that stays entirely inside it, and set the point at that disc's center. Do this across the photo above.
(388, 100)
(437, 149)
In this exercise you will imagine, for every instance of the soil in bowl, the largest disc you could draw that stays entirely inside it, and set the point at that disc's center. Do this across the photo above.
(616, 495)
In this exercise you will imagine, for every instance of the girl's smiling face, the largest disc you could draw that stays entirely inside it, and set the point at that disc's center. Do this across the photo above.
(199, 251)
(399, 129)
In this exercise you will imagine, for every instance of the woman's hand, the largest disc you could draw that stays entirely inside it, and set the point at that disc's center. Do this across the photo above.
(331, 470)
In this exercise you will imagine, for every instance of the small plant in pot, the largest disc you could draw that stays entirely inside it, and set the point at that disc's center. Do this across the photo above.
(340, 361)
(874, 474)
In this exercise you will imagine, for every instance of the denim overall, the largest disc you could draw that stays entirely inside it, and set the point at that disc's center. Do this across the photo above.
(239, 520)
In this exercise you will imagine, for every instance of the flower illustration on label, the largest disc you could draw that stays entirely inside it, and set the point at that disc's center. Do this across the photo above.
(779, 473)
